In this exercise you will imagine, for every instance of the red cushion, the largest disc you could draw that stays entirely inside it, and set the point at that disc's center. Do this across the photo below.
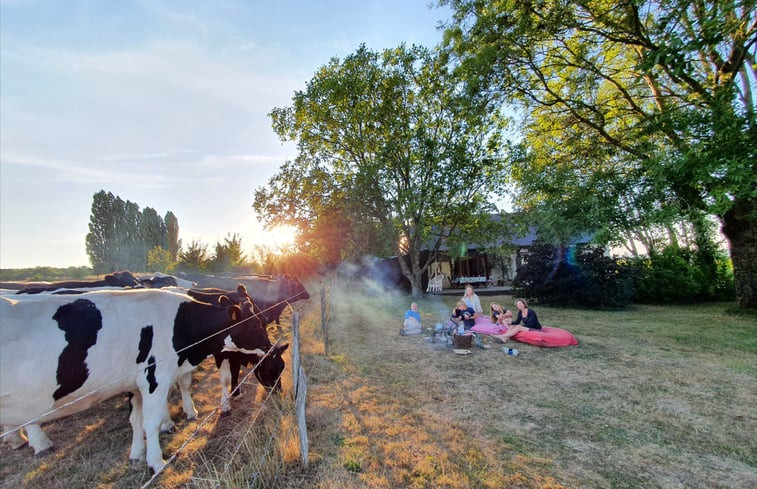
(547, 336)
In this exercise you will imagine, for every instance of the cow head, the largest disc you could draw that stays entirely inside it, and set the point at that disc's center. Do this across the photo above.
(296, 289)
(269, 369)
(249, 333)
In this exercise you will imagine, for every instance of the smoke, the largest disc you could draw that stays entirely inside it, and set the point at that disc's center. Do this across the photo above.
(377, 278)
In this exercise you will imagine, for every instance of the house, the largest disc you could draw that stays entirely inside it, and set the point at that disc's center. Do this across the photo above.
(481, 266)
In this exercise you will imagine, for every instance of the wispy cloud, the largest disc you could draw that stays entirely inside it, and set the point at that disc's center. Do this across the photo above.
(88, 173)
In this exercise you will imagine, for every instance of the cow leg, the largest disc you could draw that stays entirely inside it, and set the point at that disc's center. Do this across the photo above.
(185, 384)
(224, 375)
(38, 439)
(153, 406)
(137, 452)
(15, 439)
(234, 367)
(167, 424)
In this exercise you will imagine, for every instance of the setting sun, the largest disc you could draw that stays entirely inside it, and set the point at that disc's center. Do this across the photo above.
(280, 237)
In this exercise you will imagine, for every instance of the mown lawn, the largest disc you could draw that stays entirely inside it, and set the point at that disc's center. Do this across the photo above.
(651, 397)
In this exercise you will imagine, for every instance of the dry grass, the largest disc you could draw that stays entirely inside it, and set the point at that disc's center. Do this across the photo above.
(656, 397)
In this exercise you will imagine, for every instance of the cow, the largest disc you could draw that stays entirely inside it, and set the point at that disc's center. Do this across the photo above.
(100, 344)
(274, 294)
(271, 295)
(116, 280)
(267, 367)
(163, 280)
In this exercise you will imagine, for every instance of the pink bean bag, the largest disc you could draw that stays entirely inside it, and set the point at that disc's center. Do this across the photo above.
(548, 337)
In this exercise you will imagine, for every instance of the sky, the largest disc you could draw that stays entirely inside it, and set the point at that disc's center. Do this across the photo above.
(164, 104)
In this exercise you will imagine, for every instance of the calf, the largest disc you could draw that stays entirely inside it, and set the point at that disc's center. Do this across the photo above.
(60, 355)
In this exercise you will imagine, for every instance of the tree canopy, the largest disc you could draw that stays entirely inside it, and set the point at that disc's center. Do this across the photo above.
(121, 235)
(393, 156)
(635, 112)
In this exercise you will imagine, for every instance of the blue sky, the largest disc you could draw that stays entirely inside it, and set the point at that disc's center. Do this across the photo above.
(163, 103)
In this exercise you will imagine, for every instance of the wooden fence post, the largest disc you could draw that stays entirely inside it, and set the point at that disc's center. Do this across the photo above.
(324, 323)
(295, 351)
(299, 382)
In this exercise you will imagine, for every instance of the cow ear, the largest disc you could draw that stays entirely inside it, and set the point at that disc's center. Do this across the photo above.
(282, 348)
(234, 313)
(241, 290)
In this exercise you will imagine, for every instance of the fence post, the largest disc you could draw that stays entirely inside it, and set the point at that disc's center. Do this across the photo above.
(299, 382)
(302, 393)
(324, 323)
(295, 351)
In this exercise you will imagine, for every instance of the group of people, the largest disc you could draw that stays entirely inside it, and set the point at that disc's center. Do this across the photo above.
(468, 309)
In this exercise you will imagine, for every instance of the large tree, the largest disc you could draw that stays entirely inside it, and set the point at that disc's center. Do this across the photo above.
(392, 150)
(632, 102)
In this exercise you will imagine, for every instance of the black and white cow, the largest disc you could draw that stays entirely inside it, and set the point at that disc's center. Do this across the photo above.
(103, 343)
(267, 367)
(271, 295)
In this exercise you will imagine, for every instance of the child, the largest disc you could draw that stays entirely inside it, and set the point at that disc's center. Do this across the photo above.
(412, 324)
(462, 314)
(500, 316)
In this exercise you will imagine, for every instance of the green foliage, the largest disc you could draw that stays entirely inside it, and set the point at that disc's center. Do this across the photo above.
(159, 260)
(578, 276)
(680, 275)
(228, 254)
(120, 235)
(393, 156)
(635, 113)
(195, 258)
(172, 235)
(46, 274)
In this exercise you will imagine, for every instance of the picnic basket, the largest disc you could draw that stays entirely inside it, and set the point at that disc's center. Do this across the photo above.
(462, 341)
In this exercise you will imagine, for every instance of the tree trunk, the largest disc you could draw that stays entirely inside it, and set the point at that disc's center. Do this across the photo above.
(741, 230)
(412, 271)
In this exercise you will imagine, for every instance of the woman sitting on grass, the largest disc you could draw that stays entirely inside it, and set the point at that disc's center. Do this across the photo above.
(526, 320)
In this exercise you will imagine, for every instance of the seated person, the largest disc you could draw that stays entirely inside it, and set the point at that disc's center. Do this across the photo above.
(525, 321)
(462, 314)
(412, 324)
(499, 315)
(472, 300)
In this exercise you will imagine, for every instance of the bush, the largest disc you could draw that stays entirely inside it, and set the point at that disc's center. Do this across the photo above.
(682, 275)
(577, 276)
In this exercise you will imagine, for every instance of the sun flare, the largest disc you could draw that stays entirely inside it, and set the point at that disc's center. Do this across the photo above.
(280, 237)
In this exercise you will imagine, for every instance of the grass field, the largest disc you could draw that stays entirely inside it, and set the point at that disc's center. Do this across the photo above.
(653, 397)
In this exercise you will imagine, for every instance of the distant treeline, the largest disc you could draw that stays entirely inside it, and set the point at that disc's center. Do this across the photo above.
(44, 274)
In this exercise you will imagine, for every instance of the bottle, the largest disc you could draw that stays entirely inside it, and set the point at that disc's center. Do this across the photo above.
(510, 351)
(460, 329)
